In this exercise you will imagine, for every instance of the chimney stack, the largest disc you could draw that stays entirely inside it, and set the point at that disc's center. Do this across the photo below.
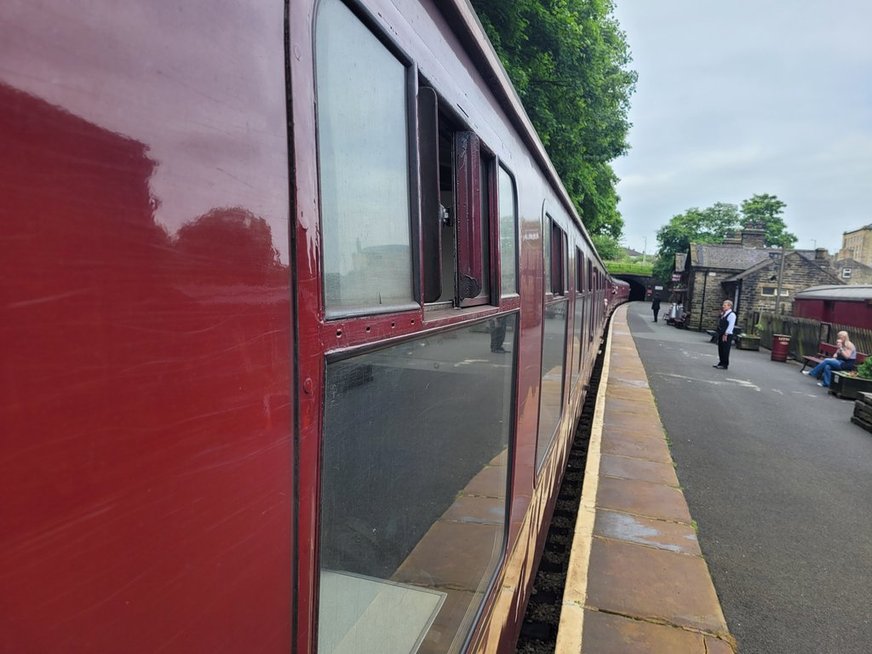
(753, 238)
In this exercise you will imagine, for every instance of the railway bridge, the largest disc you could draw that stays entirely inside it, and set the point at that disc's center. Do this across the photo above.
(638, 284)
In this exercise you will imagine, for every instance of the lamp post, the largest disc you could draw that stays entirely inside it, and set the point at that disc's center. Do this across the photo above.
(778, 290)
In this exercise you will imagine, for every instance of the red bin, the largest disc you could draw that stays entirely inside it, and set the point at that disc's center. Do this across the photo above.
(780, 346)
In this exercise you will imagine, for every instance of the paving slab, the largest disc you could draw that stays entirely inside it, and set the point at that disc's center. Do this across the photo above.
(613, 634)
(637, 579)
(660, 534)
(628, 467)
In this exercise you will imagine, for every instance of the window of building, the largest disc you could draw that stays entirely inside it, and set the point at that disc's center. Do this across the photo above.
(846, 273)
(413, 512)
(363, 167)
(772, 290)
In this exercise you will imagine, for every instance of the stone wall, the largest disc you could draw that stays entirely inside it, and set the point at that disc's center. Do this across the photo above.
(715, 295)
(799, 274)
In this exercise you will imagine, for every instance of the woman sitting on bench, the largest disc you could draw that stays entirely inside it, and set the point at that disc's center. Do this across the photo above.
(845, 359)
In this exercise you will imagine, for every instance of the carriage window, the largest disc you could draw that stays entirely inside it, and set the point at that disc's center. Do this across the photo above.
(457, 208)
(558, 260)
(508, 234)
(578, 332)
(554, 246)
(590, 299)
(363, 167)
(579, 271)
(546, 251)
(551, 393)
(413, 512)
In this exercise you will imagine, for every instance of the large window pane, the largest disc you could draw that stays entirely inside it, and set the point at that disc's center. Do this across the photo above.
(578, 327)
(551, 395)
(508, 234)
(546, 251)
(363, 157)
(413, 491)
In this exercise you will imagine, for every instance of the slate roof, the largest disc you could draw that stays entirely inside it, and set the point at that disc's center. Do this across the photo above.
(823, 266)
(727, 257)
(853, 293)
(850, 263)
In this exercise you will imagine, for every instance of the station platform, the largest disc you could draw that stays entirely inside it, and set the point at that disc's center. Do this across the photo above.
(637, 581)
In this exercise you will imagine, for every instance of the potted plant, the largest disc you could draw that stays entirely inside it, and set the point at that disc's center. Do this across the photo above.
(849, 384)
(749, 340)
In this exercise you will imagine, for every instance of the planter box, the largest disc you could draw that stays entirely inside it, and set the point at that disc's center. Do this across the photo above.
(748, 342)
(848, 387)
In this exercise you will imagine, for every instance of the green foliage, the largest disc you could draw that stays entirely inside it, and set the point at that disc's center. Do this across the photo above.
(764, 211)
(608, 247)
(663, 267)
(629, 268)
(865, 369)
(708, 225)
(568, 60)
(713, 224)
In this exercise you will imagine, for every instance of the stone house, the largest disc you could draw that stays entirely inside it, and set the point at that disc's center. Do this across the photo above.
(756, 288)
(853, 272)
(707, 268)
(743, 270)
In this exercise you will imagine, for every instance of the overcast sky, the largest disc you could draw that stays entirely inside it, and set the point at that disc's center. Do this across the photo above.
(749, 96)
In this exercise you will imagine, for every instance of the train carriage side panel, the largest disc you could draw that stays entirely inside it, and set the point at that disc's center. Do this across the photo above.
(146, 389)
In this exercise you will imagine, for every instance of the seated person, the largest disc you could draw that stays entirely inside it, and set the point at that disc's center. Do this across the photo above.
(845, 359)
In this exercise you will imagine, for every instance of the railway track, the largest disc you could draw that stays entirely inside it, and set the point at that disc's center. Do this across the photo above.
(539, 630)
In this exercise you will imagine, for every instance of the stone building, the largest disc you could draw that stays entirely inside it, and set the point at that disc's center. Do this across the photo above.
(857, 245)
(741, 269)
(709, 266)
(850, 271)
(756, 289)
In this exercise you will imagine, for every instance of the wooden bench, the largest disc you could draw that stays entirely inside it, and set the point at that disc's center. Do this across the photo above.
(827, 351)
(679, 321)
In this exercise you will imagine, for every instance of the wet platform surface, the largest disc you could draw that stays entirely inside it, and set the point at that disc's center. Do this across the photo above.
(637, 580)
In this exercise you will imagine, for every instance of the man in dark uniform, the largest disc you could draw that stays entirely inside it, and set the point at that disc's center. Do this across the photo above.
(655, 307)
(725, 334)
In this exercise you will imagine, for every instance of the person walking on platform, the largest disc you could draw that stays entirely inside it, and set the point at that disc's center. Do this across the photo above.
(726, 324)
(655, 307)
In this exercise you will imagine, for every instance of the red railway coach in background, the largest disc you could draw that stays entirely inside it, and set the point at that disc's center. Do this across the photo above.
(843, 305)
(297, 324)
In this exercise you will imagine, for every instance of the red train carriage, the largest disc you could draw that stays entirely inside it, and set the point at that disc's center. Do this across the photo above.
(297, 325)
(843, 305)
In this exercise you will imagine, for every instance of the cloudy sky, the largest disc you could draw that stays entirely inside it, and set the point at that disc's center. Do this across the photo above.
(749, 96)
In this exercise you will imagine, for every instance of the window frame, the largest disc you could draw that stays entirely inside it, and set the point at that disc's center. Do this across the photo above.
(499, 236)
(474, 215)
(327, 315)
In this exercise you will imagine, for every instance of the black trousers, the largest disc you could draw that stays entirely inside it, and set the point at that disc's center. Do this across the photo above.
(724, 350)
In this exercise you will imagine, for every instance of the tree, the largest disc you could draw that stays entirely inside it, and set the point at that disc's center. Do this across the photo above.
(695, 225)
(568, 60)
(608, 246)
(764, 211)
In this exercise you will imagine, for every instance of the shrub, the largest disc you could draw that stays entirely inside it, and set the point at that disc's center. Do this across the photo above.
(865, 369)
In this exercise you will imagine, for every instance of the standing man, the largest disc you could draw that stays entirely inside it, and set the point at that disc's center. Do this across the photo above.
(725, 334)
(655, 307)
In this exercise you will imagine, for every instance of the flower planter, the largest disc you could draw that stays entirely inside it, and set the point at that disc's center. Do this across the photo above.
(748, 342)
(848, 387)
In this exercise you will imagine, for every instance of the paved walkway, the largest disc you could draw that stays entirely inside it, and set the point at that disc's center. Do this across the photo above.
(637, 581)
